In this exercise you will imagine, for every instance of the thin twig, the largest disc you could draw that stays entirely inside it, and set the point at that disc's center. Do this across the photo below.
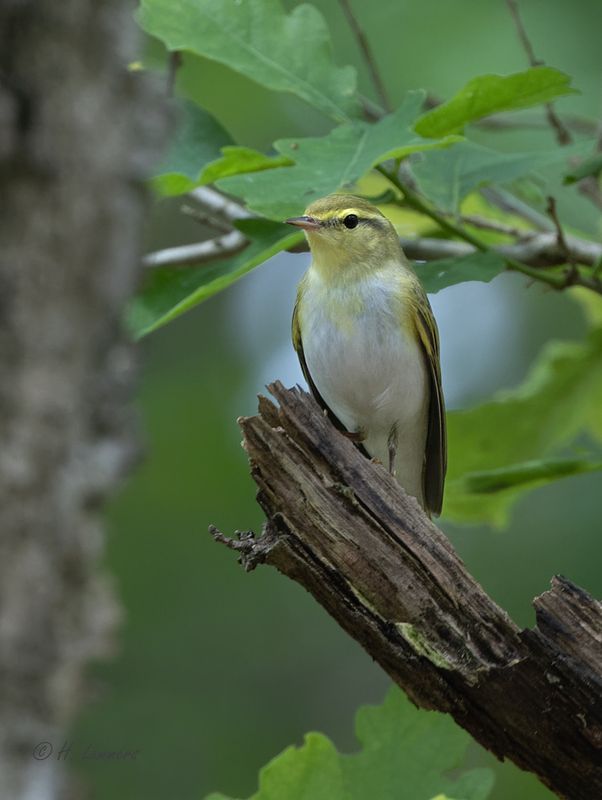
(174, 64)
(198, 253)
(495, 225)
(219, 204)
(553, 212)
(561, 132)
(588, 187)
(572, 273)
(506, 201)
(528, 256)
(206, 218)
(522, 34)
(367, 53)
(540, 250)
(502, 122)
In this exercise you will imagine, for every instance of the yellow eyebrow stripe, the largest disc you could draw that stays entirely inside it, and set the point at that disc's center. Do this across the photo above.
(362, 213)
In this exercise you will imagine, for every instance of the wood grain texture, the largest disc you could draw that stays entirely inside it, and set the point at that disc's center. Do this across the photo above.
(344, 529)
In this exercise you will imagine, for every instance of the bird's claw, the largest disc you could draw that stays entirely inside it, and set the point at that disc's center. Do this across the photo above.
(355, 436)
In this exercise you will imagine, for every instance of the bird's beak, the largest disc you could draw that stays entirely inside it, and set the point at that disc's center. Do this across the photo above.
(307, 223)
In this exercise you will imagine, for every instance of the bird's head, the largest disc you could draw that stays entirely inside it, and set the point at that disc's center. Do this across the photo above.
(346, 233)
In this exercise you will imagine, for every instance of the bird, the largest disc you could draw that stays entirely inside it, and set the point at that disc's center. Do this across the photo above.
(368, 343)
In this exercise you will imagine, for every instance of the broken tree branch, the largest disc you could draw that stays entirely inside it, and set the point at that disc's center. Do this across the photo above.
(343, 528)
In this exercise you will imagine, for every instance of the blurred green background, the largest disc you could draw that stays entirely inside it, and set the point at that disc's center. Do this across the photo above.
(217, 671)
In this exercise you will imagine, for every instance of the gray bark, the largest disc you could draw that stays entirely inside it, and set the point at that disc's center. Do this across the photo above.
(76, 134)
(344, 529)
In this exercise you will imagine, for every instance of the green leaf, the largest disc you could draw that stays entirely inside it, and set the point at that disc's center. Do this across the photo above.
(285, 52)
(447, 176)
(490, 94)
(238, 160)
(201, 152)
(591, 166)
(167, 293)
(197, 142)
(406, 753)
(560, 399)
(447, 179)
(437, 275)
(336, 161)
(527, 474)
(235, 160)
(590, 304)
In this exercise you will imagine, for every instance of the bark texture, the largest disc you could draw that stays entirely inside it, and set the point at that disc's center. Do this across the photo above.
(76, 135)
(343, 528)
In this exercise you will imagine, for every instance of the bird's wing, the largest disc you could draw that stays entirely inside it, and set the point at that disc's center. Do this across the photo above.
(435, 456)
(298, 345)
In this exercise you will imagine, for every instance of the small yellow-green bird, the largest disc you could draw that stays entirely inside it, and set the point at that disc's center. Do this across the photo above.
(368, 344)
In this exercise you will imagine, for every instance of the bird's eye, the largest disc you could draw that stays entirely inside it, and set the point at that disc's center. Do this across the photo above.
(350, 221)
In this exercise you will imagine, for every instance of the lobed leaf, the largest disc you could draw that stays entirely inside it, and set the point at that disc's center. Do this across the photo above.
(198, 140)
(201, 152)
(490, 94)
(328, 163)
(284, 52)
(406, 753)
(448, 180)
(167, 293)
(560, 399)
(447, 176)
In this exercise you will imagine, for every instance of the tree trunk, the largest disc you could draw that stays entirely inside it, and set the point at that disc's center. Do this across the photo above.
(344, 529)
(73, 152)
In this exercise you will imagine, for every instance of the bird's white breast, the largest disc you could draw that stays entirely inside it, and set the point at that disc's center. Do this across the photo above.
(362, 353)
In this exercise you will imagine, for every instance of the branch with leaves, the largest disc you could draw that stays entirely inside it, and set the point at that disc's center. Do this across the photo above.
(468, 212)
(439, 170)
(427, 142)
(531, 248)
(472, 211)
(536, 250)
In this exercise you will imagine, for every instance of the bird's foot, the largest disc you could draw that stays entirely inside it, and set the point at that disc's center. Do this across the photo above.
(355, 436)
(392, 446)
